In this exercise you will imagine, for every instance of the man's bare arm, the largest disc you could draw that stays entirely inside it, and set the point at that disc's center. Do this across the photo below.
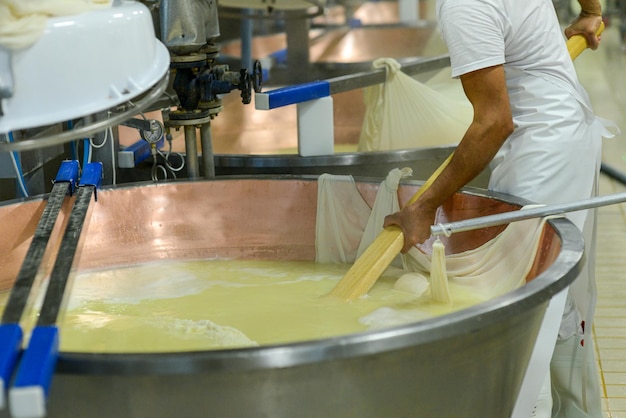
(587, 23)
(492, 124)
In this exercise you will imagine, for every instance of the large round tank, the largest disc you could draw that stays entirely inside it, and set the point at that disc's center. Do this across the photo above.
(466, 364)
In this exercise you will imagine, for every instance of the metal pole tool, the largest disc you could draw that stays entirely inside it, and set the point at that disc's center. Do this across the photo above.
(28, 395)
(520, 215)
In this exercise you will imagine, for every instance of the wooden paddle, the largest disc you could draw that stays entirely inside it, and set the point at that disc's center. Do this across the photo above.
(367, 269)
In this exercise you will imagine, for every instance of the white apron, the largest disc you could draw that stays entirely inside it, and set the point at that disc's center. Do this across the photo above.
(554, 156)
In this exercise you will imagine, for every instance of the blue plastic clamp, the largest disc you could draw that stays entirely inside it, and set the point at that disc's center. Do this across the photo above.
(10, 346)
(29, 393)
(92, 175)
(137, 152)
(280, 56)
(68, 172)
(292, 95)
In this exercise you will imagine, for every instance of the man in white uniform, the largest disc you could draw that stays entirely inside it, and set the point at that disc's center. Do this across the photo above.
(534, 124)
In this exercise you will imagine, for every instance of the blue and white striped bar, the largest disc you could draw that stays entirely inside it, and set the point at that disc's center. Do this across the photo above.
(318, 89)
(315, 102)
(292, 95)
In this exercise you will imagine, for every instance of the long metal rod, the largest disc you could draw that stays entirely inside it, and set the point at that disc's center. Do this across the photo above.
(32, 261)
(520, 215)
(208, 159)
(289, 95)
(191, 152)
(371, 78)
(613, 172)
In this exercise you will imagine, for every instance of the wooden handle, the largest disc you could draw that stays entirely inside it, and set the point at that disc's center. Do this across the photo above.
(430, 180)
(578, 43)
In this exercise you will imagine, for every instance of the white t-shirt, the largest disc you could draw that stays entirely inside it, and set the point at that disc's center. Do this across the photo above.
(554, 153)
(551, 110)
(524, 35)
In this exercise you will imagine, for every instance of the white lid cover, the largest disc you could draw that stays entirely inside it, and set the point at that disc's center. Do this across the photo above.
(83, 64)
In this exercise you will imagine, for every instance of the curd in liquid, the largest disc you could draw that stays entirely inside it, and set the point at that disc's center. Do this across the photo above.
(212, 304)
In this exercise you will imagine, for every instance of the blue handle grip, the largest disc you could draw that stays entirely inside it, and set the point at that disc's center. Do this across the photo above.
(92, 175)
(10, 346)
(292, 95)
(68, 172)
(34, 374)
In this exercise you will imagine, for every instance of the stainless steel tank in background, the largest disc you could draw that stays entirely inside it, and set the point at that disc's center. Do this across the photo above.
(372, 164)
(423, 162)
(466, 364)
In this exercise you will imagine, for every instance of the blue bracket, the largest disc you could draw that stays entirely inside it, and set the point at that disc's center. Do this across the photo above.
(34, 375)
(280, 56)
(92, 176)
(10, 347)
(137, 152)
(68, 172)
(292, 95)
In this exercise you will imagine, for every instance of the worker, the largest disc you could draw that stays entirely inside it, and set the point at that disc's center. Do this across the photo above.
(533, 124)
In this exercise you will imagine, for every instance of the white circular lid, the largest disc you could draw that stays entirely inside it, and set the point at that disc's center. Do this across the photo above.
(84, 64)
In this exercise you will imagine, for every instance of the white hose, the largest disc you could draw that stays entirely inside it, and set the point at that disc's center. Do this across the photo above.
(108, 134)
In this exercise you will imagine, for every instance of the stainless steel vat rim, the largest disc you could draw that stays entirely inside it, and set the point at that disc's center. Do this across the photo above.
(340, 159)
(566, 268)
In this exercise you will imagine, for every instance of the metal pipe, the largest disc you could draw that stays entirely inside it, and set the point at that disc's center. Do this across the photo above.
(191, 151)
(298, 49)
(520, 215)
(206, 142)
(246, 40)
(317, 89)
(614, 173)
(371, 78)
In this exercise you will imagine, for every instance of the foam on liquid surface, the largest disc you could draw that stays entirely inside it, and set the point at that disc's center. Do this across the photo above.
(214, 304)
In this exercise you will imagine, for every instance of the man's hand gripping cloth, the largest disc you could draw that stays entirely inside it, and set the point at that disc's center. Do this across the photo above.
(346, 226)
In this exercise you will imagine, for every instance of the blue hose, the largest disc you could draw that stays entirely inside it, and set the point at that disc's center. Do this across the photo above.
(21, 181)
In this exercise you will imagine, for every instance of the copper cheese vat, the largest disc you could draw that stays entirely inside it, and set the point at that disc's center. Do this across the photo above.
(466, 364)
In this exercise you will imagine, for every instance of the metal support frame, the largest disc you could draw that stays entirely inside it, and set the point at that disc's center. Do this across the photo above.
(315, 107)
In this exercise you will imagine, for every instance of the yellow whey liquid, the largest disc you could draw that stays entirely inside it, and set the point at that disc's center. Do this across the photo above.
(215, 304)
